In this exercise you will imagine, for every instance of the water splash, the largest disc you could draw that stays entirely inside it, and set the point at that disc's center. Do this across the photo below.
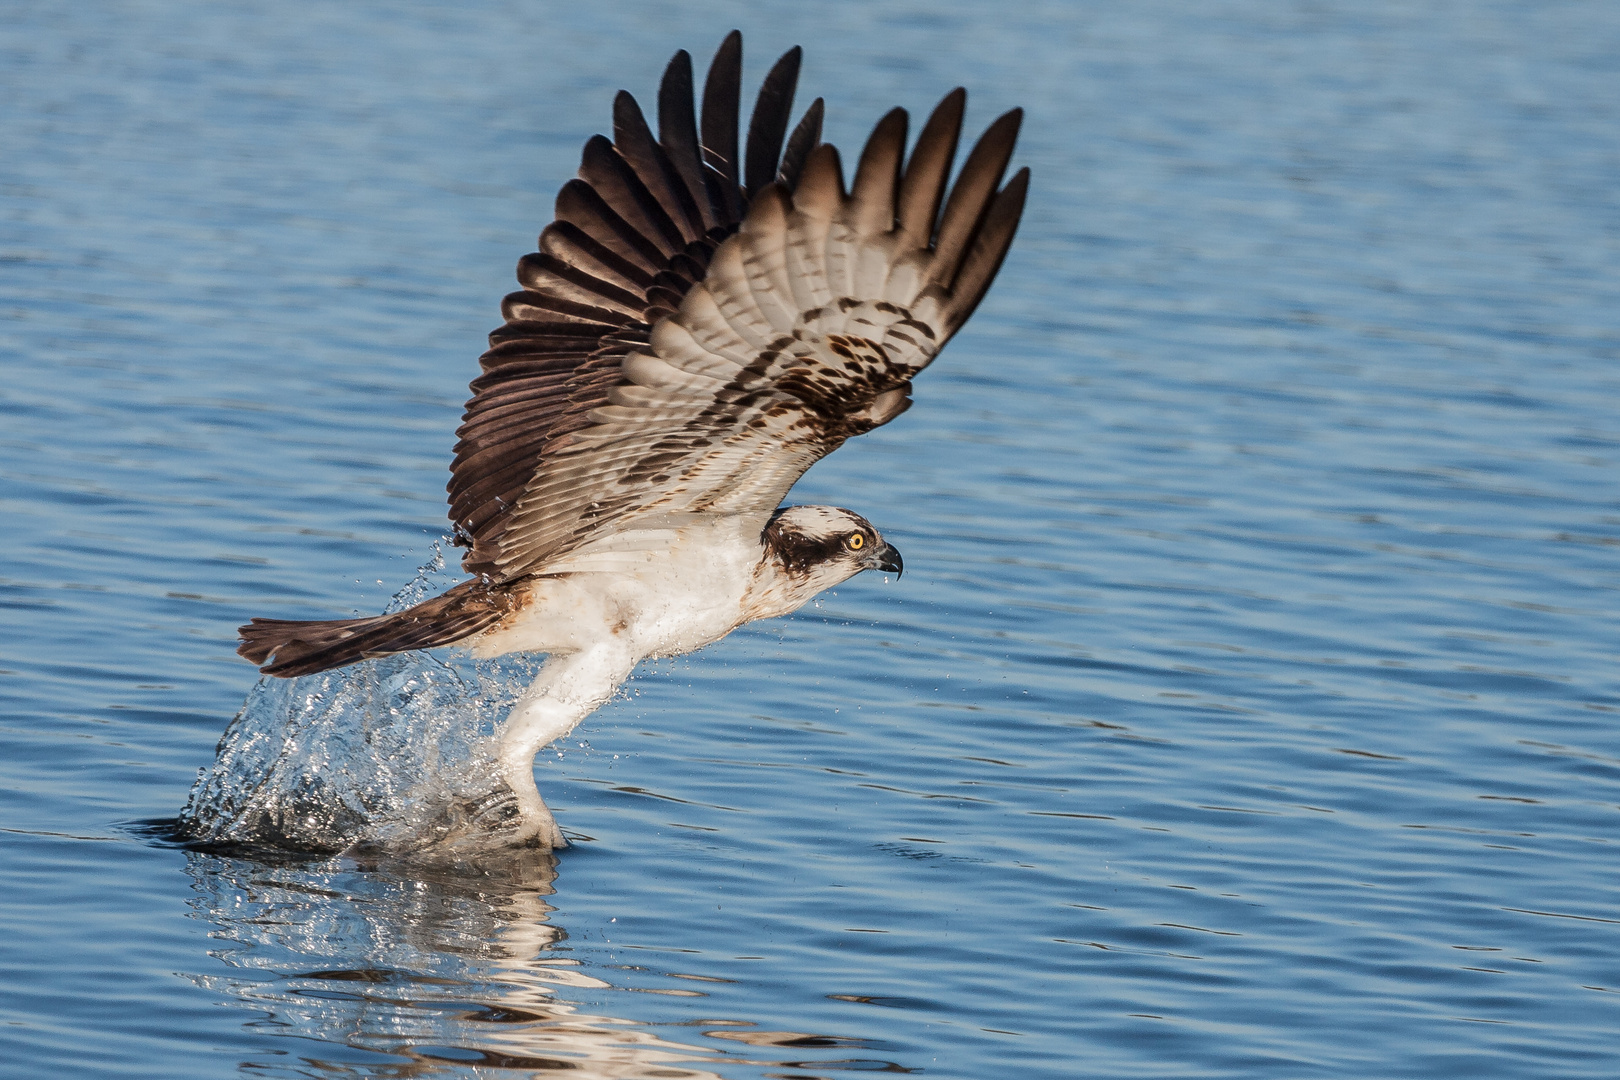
(394, 756)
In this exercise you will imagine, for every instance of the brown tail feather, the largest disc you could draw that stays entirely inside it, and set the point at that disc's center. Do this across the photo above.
(288, 648)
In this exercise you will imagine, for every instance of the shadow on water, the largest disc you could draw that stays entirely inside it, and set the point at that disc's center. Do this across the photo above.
(380, 971)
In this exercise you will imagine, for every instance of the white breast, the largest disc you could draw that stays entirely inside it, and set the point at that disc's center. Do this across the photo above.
(672, 586)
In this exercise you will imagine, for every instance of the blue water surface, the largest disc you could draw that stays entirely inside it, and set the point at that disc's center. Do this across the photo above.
(1249, 706)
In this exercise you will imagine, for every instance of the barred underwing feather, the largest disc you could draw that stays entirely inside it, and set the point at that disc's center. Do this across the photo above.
(703, 319)
(869, 265)
(734, 299)
(815, 202)
(908, 274)
(805, 252)
(762, 242)
(675, 342)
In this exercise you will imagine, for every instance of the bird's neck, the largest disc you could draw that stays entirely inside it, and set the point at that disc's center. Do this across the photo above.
(779, 587)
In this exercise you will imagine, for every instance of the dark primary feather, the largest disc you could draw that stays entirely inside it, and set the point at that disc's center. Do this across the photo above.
(923, 186)
(805, 138)
(772, 111)
(722, 101)
(677, 133)
(970, 196)
(607, 394)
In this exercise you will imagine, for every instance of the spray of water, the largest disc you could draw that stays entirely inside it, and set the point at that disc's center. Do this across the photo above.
(393, 756)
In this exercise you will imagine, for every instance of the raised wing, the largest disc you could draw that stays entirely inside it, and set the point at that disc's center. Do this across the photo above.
(633, 233)
(751, 358)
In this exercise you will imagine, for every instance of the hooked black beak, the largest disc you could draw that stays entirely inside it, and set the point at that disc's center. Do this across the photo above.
(887, 558)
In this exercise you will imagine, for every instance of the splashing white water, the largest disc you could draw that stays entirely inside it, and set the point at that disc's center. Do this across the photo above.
(392, 756)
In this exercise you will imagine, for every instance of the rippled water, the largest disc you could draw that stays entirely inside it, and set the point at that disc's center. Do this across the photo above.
(1249, 705)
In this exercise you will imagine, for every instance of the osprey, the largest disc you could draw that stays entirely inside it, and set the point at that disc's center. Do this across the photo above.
(696, 330)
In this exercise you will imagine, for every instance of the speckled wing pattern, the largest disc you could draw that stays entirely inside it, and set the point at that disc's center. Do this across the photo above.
(691, 340)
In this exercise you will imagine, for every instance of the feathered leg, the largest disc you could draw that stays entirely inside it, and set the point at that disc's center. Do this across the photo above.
(568, 688)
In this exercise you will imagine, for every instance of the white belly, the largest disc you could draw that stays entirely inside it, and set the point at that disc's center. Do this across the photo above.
(650, 592)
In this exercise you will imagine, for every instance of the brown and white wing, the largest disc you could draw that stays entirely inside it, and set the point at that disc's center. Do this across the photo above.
(807, 329)
(633, 233)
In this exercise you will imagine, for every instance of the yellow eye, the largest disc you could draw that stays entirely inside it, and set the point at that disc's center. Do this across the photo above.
(856, 541)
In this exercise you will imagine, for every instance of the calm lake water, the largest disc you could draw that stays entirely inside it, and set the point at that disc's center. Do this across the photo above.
(1249, 706)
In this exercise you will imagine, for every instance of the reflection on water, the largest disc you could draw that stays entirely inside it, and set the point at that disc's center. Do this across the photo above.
(442, 972)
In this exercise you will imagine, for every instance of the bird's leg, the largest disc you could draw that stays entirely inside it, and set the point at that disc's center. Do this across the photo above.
(568, 688)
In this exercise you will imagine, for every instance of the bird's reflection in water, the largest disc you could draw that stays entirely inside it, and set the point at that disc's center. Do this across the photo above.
(434, 973)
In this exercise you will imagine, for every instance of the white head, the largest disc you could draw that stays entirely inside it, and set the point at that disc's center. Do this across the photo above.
(811, 548)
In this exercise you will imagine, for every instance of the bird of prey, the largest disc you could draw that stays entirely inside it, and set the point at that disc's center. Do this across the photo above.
(698, 328)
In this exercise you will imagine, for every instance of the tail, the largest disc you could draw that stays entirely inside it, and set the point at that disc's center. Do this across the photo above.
(288, 649)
